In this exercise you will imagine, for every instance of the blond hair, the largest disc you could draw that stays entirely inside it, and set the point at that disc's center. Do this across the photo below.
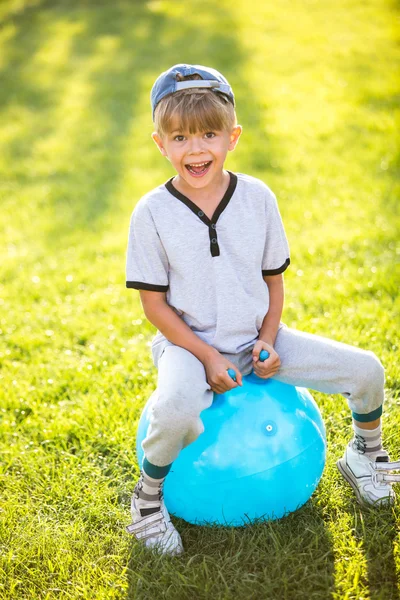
(195, 109)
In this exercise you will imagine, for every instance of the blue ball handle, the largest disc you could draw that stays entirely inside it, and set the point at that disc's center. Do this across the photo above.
(264, 354)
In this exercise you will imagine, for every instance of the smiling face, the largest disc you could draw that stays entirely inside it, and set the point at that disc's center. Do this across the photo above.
(199, 157)
(195, 129)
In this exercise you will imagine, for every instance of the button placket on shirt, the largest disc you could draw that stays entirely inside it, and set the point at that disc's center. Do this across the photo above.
(214, 247)
(212, 232)
(211, 224)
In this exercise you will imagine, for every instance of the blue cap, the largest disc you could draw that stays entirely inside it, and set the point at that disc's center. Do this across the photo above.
(167, 82)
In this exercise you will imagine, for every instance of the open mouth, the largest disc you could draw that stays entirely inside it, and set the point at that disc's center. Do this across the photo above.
(199, 169)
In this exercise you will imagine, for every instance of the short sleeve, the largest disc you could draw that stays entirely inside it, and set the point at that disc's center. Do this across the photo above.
(146, 260)
(276, 257)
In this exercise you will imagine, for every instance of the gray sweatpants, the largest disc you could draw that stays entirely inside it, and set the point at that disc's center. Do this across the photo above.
(307, 361)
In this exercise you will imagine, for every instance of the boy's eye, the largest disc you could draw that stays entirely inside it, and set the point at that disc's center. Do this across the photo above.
(179, 138)
(210, 134)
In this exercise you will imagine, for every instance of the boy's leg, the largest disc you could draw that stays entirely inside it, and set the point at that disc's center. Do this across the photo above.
(182, 393)
(327, 366)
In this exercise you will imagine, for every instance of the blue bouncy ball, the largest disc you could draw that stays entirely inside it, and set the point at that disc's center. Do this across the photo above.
(261, 456)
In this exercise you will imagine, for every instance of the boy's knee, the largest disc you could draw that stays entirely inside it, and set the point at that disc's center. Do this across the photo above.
(196, 428)
(371, 374)
(376, 370)
(176, 411)
(171, 426)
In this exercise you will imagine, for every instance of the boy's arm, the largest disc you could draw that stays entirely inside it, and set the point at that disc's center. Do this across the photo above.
(161, 315)
(269, 328)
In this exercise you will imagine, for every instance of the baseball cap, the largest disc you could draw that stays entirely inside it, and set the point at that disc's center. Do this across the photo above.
(167, 82)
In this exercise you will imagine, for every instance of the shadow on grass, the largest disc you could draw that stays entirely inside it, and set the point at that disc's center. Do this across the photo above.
(291, 558)
(377, 528)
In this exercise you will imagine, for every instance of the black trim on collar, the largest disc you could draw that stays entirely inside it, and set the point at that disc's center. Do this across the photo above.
(211, 223)
(277, 271)
(139, 285)
(194, 208)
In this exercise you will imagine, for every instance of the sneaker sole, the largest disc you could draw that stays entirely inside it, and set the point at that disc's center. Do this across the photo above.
(161, 550)
(341, 465)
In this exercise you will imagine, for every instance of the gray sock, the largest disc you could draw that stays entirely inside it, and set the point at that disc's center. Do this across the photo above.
(367, 441)
(148, 492)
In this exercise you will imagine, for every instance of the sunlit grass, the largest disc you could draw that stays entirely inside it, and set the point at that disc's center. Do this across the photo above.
(317, 93)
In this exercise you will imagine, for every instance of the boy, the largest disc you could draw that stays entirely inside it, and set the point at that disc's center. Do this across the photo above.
(207, 251)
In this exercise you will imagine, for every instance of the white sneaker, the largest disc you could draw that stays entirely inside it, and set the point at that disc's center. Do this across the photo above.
(155, 531)
(365, 474)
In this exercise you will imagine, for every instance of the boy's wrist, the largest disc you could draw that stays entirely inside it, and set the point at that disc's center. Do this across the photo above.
(207, 352)
(269, 330)
(267, 339)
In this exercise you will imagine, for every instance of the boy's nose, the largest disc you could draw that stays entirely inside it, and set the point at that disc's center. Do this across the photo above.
(196, 145)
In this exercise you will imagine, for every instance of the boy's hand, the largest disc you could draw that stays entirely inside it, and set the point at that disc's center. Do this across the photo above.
(270, 366)
(218, 379)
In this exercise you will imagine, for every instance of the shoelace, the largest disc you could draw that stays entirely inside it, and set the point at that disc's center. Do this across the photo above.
(359, 443)
(139, 487)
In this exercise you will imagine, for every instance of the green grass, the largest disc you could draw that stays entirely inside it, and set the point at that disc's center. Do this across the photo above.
(318, 94)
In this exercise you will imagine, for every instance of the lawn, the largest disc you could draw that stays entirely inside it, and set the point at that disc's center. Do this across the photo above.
(318, 88)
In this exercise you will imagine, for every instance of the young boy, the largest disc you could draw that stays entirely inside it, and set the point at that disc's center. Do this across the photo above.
(207, 251)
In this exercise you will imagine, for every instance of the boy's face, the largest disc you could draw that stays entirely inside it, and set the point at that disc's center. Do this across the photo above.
(198, 158)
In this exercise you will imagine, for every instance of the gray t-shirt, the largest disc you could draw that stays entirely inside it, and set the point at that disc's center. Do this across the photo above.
(211, 269)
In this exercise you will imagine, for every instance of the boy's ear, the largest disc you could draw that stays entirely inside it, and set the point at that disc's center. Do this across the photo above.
(235, 135)
(159, 143)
